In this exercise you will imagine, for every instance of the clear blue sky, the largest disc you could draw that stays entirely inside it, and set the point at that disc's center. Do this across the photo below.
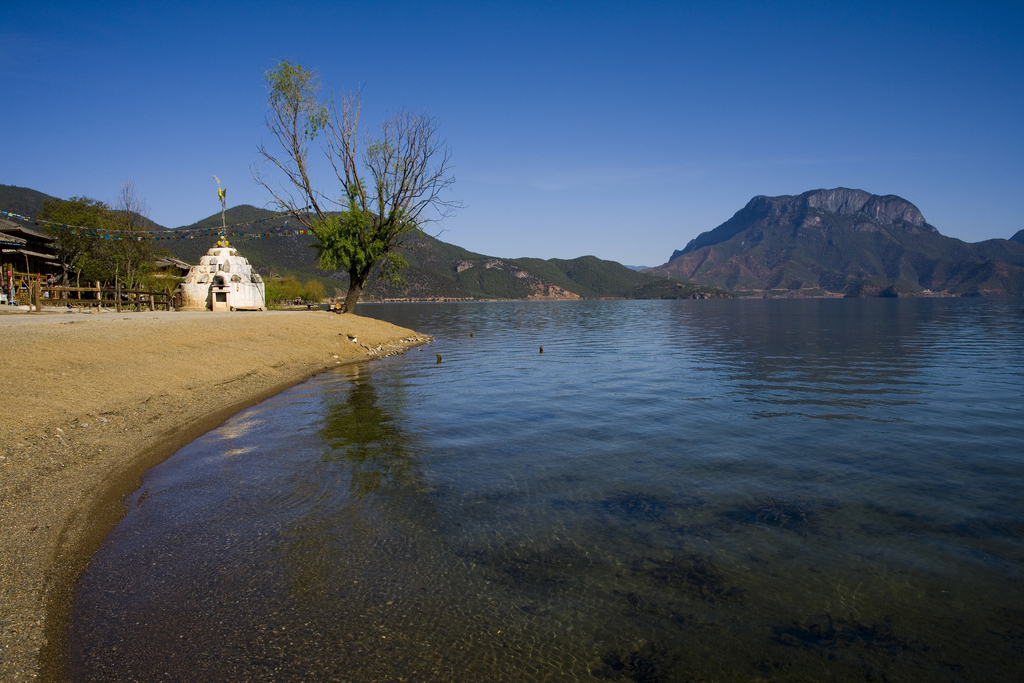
(619, 129)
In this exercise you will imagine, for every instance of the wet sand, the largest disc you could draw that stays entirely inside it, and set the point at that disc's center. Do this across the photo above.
(91, 401)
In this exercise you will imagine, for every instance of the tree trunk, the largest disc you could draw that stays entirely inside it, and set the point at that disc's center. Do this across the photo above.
(355, 289)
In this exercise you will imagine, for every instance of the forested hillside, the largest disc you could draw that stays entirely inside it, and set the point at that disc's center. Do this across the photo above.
(437, 270)
(22, 200)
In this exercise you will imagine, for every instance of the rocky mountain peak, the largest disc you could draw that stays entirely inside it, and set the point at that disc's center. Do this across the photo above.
(887, 211)
(849, 242)
(884, 210)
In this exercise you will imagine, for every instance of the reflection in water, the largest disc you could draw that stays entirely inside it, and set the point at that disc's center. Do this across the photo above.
(366, 437)
(745, 490)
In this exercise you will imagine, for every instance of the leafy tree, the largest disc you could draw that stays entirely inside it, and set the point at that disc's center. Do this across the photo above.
(282, 289)
(386, 192)
(123, 252)
(76, 249)
(363, 435)
(314, 291)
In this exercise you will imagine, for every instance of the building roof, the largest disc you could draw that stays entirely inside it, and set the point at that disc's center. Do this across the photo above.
(12, 240)
(168, 261)
(11, 228)
(33, 254)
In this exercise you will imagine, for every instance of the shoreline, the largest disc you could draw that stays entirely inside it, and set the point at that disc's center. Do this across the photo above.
(95, 400)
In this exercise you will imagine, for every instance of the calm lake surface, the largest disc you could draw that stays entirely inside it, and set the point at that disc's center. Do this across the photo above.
(816, 490)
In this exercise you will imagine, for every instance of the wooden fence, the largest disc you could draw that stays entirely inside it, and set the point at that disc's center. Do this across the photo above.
(35, 293)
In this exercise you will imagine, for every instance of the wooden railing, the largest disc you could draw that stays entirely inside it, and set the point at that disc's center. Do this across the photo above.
(115, 297)
(40, 296)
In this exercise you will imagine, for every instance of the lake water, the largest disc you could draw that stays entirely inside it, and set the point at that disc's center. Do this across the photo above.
(815, 490)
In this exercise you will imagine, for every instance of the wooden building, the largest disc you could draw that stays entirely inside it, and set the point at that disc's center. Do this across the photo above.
(25, 254)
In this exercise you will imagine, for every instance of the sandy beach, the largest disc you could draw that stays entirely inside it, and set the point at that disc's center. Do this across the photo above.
(91, 401)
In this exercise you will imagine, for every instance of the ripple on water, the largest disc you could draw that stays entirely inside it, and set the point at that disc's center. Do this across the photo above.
(714, 490)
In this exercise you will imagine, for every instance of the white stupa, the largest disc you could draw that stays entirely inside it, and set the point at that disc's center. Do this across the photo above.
(223, 281)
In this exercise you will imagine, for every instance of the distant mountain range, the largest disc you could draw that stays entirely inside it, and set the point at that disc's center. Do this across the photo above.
(838, 242)
(438, 270)
(848, 242)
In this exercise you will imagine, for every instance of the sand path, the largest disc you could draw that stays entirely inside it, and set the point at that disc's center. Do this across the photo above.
(91, 401)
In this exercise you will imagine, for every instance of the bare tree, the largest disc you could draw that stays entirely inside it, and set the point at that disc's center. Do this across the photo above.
(128, 255)
(385, 193)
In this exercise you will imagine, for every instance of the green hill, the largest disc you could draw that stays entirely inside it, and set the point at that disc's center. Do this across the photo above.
(22, 200)
(243, 213)
(28, 202)
(245, 225)
(591, 277)
(437, 270)
(436, 266)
